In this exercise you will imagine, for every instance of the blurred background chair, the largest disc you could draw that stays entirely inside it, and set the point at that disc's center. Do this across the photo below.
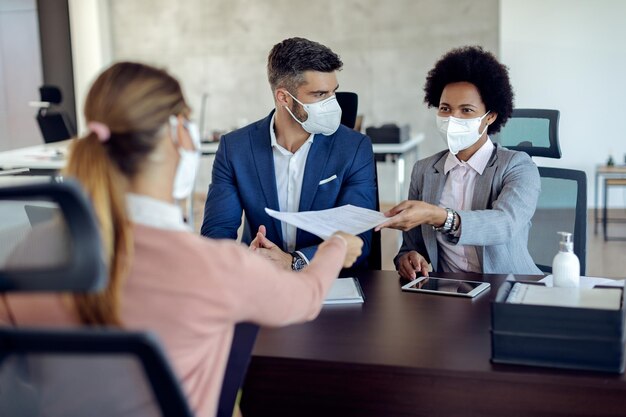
(54, 123)
(562, 204)
(76, 371)
(349, 103)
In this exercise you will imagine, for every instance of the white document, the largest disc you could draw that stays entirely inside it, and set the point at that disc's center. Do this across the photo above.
(344, 291)
(588, 282)
(598, 298)
(324, 223)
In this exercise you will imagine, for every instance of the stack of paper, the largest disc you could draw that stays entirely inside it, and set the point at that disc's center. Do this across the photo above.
(345, 291)
(599, 298)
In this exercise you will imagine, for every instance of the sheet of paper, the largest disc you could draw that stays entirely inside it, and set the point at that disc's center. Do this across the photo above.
(598, 298)
(344, 291)
(589, 282)
(324, 223)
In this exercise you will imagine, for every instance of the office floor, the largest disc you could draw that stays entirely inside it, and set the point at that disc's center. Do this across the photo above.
(604, 259)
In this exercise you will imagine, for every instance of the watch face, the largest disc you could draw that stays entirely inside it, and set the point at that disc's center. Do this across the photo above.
(298, 263)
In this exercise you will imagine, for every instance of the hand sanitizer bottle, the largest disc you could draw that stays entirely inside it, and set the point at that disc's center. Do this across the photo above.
(566, 266)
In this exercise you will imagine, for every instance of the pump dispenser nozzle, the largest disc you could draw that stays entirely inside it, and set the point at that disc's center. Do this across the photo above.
(566, 243)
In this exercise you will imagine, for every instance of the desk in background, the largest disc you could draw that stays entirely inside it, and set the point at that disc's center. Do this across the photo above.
(603, 173)
(408, 354)
(44, 159)
(47, 159)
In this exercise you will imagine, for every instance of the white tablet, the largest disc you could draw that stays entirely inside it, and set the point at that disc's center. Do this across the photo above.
(446, 286)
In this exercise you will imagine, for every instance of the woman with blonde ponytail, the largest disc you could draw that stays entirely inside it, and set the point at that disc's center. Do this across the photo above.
(140, 155)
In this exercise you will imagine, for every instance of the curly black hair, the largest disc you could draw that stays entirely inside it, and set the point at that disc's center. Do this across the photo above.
(474, 65)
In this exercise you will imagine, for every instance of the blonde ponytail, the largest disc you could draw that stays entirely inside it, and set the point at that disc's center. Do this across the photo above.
(103, 182)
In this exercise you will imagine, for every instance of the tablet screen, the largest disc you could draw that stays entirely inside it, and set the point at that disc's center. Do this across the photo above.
(444, 285)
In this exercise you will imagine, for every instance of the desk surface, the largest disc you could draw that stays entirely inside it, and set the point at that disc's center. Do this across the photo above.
(411, 354)
(51, 156)
(615, 169)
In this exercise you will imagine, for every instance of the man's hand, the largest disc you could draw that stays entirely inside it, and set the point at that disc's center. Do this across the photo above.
(265, 247)
(412, 263)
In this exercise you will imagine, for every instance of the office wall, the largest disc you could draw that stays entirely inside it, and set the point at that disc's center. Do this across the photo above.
(91, 47)
(220, 47)
(20, 73)
(569, 55)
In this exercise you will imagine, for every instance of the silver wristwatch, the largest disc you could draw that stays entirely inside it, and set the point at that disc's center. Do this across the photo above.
(447, 225)
(297, 261)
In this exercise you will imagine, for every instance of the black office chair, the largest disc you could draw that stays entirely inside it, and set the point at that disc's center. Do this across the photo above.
(79, 371)
(349, 103)
(534, 131)
(562, 204)
(54, 124)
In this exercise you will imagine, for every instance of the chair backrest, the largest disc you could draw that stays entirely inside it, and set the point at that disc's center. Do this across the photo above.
(86, 372)
(82, 371)
(349, 103)
(562, 206)
(534, 131)
(63, 254)
(55, 125)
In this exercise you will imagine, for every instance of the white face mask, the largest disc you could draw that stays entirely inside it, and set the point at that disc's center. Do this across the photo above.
(189, 160)
(460, 134)
(322, 117)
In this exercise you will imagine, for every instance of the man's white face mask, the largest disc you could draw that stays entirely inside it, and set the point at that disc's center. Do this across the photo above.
(460, 134)
(189, 160)
(323, 117)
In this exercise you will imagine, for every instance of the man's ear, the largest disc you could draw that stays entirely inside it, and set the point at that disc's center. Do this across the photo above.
(491, 117)
(281, 97)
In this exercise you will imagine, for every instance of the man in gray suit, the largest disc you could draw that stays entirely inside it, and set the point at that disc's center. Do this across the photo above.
(470, 206)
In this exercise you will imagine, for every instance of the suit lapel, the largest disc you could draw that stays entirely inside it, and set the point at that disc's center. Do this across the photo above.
(261, 148)
(314, 170)
(434, 181)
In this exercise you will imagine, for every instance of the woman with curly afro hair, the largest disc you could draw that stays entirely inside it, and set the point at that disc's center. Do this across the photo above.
(469, 206)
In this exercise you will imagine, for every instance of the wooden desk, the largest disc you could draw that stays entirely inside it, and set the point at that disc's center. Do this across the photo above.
(408, 354)
(604, 172)
(44, 159)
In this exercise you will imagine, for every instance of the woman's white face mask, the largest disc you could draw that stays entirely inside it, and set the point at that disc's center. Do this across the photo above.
(189, 160)
(460, 134)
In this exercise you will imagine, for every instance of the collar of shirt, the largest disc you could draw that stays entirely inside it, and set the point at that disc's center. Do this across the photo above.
(151, 212)
(478, 162)
(275, 143)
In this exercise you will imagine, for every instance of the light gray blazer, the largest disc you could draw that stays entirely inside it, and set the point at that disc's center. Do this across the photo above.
(505, 198)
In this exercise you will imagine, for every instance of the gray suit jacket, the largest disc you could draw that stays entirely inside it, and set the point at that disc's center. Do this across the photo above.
(505, 198)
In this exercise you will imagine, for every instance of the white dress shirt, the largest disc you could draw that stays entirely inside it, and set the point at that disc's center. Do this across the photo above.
(457, 194)
(289, 172)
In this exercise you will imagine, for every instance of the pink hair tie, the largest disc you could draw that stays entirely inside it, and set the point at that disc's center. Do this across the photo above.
(101, 130)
